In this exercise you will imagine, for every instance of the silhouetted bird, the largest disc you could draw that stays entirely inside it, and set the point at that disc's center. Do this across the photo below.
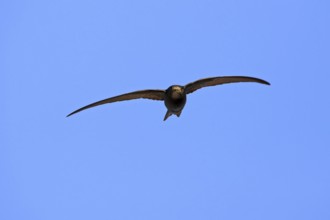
(175, 96)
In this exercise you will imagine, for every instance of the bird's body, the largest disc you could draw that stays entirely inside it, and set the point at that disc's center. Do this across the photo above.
(175, 96)
(175, 100)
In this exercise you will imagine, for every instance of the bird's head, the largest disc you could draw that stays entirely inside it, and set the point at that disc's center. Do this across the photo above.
(176, 92)
(176, 88)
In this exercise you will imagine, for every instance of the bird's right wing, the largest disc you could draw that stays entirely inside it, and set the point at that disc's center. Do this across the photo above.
(213, 81)
(146, 94)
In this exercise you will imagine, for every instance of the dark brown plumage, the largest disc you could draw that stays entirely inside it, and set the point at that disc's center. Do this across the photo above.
(175, 96)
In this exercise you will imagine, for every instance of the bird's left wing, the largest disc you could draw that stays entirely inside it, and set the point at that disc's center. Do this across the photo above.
(146, 94)
(213, 81)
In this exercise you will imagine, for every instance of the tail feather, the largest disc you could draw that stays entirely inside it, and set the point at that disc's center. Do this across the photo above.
(168, 114)
(178, 114)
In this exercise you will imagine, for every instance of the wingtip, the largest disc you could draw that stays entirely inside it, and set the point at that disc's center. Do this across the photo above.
(70, 114)
(264, 82)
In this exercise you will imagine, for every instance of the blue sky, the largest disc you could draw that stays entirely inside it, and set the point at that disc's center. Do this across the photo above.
(238, 151)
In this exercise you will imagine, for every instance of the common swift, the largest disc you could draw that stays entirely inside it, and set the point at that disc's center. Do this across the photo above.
(175, 96)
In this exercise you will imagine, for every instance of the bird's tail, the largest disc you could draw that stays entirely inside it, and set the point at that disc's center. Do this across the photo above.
(178, 114)
(168, 114)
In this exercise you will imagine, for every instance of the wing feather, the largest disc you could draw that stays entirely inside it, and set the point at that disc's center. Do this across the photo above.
(146, 94)
(213, 81)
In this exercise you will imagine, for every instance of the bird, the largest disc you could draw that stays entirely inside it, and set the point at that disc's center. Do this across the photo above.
(175, 96)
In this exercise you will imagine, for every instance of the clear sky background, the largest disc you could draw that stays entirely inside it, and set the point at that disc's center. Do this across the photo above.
(238, 151)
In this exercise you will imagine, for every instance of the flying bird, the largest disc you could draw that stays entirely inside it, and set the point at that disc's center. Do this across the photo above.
(175, 96)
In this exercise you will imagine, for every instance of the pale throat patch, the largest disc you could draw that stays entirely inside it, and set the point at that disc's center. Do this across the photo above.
(177, 94)
(177, 89)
